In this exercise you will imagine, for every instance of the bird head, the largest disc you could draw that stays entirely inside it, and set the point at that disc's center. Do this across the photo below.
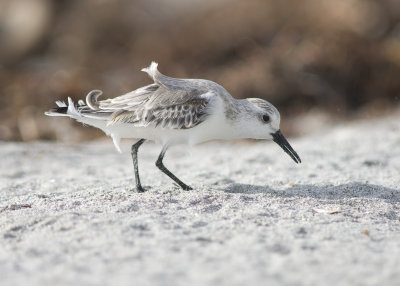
(266, 121)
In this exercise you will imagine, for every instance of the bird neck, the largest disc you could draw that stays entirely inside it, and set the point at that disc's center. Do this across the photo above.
(237, 114)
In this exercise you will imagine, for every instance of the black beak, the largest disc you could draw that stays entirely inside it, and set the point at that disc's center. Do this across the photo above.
(281, 141)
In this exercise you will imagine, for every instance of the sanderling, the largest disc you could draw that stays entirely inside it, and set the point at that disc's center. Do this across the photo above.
(172, 111)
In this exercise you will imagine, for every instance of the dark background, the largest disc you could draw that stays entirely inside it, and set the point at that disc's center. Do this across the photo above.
(320, 62)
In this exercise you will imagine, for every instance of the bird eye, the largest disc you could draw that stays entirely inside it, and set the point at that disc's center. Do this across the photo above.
(266, 118)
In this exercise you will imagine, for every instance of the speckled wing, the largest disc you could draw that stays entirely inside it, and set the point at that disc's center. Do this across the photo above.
(169, 108)
(168, 102)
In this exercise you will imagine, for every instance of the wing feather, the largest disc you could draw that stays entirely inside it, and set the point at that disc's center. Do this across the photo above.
(175, 113)
(168, 102)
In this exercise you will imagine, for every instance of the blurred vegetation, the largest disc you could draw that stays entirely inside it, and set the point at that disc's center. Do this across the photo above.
(317, 60)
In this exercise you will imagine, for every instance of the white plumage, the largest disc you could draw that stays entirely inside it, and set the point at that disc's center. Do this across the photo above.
(173, 111)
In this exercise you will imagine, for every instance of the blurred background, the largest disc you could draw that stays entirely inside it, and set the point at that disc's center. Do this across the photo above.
(319, 61)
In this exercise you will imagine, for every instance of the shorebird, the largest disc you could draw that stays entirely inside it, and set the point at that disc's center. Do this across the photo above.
(174, 111)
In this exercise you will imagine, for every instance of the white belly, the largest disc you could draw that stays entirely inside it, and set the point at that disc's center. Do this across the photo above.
(214, 127)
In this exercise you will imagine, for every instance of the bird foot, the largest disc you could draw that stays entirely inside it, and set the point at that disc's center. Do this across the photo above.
(183, 186)
(139, 189)
(187, 188)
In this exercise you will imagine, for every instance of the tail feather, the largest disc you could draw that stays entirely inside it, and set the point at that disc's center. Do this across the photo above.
(72, 109)
(78, 112)
(63, 109)
(92, 99)
(58, 111)
(61, 103)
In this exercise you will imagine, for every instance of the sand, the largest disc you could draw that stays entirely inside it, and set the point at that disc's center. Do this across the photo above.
(69, 214)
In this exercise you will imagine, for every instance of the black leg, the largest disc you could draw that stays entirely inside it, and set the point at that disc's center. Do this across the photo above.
(163, 169)
(134, 152)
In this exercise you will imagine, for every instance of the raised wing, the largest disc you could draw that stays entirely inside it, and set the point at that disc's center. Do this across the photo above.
(169, 103)
(168, 109)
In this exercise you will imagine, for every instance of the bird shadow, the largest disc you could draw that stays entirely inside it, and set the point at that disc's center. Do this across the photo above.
(330, 192)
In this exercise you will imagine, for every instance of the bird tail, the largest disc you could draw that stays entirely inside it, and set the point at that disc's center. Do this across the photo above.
(89, 114)
(71, 110)
(63, 109)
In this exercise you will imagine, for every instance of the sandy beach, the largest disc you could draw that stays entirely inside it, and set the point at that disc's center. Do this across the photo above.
(69, 214)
